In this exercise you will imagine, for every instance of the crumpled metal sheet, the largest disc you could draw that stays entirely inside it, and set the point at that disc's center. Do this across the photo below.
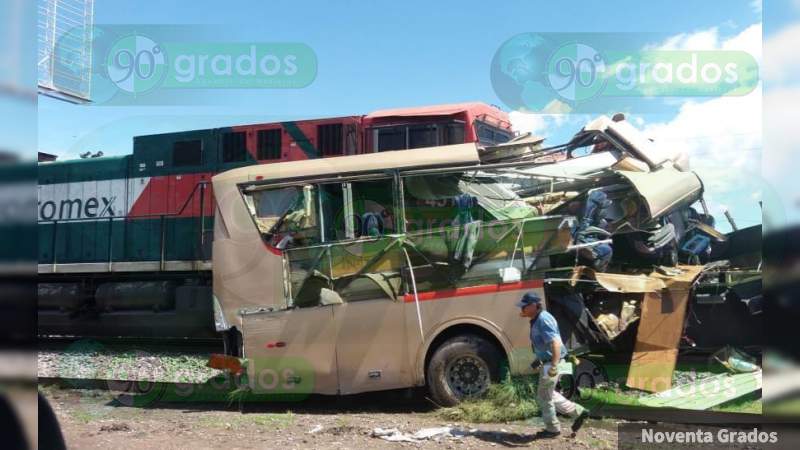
(660, 328)
(665, 189)
(615, 282)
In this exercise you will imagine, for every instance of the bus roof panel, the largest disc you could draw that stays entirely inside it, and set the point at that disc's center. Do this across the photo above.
(448, 155)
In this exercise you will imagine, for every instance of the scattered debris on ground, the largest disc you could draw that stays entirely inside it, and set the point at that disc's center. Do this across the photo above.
(93, 420)
(434, 434)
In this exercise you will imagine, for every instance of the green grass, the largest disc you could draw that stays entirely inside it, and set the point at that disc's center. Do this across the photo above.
(788, 408)
(594, 398)
(514, 399)
(273, 420)
(750, 404)
(239, 394)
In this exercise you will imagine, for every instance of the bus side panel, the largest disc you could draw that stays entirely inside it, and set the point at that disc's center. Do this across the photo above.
(492, 311)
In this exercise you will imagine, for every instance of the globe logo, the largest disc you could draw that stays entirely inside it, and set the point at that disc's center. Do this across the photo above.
(533, 72)
(576, 72)
(136, 64)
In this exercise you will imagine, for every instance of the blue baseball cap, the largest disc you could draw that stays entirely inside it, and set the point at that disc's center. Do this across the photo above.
(529, 298)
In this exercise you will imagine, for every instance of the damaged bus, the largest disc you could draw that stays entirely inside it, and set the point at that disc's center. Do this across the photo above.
(401, 269)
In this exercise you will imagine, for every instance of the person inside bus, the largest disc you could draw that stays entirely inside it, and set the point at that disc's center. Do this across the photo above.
(371, 224)
(591, 230)
(549, 350)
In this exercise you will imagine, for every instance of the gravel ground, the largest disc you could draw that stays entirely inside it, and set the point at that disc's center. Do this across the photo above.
(94, 420)
(94, 361)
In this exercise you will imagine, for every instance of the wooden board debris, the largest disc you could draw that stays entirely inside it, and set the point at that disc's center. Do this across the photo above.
(660, 328)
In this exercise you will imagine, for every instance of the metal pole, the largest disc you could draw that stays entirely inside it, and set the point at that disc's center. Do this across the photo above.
(703, 204)
(730, 220)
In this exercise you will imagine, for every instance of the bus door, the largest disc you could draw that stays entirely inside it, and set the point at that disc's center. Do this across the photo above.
(365, 261)
(372, 348)
(294, 337)
(291, 351)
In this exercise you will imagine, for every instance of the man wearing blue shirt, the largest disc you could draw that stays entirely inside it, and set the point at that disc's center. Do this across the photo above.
(549, 351)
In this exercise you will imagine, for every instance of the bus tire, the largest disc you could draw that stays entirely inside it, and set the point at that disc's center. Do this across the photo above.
(462, 366)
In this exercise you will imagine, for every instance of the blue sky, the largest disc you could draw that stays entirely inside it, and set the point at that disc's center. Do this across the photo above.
(374, 55)
(371, 55)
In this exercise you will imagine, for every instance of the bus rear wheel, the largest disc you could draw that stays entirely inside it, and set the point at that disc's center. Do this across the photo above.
(462, 367)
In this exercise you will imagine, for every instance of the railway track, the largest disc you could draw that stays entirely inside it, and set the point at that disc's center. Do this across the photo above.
(189, 346)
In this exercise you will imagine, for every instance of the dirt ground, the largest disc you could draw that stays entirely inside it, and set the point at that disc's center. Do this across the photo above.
(93, 419)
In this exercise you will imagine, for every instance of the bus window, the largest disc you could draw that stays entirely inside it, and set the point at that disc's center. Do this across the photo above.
(331, 203)
(287, 216)
(357, 209)
(356, 269)
(430, 202)
(373, 208)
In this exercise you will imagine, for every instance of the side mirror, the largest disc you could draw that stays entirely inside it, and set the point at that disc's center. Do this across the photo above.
(329, 297)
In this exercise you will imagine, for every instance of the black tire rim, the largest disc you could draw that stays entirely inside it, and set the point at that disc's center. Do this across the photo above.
(467, 376)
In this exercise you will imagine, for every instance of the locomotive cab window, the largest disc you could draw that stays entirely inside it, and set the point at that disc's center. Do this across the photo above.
(403, 137)
(491, 135)
(420, 136)
(390, 138)
(187, 153)
(453, 133)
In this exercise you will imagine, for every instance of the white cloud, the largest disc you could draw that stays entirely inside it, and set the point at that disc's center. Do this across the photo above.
(722, 135)
(748, 40)
(721, 132)
(781, 137)
(712, 129)
(538, 124)
(700, 40)
(780, 51)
